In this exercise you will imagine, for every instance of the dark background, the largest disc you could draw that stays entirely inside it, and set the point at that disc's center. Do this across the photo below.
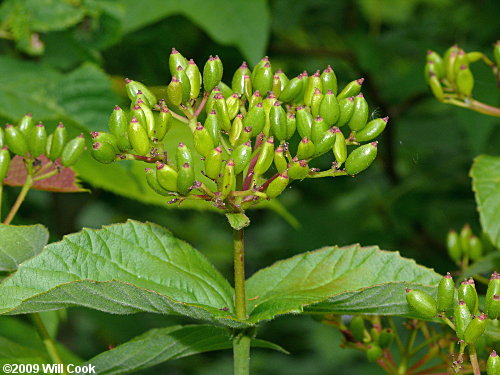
(415, 192)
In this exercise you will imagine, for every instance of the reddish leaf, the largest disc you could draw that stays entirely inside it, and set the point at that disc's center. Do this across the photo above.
(63, 182)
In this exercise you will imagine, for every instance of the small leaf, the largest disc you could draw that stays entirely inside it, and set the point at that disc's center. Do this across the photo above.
(63, 182)
(20, 243)
(485, 175)
(122, 269)
(238, 221)
(347, 280)
(164, 344)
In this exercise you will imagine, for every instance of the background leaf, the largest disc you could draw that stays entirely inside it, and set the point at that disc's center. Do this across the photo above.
(20, 343)
(486, 184)
(20, 243)
(244, 24)
(353, 279)
(164, 344)
(121, 268)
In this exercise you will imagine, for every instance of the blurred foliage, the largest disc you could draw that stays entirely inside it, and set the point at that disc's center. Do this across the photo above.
(64, 60)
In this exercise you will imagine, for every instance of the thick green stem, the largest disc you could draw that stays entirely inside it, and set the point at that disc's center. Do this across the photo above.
(1, 195)
(20, 199)
(47, 340)
(239, 274)
(241, 341)
(473, 360)
(241, 350)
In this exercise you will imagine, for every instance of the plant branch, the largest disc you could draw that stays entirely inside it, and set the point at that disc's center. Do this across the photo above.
(473, 360)
(202, 104)
(241, 353)
(20, 199)
(179, 117)
(47, 340)
(46, 175)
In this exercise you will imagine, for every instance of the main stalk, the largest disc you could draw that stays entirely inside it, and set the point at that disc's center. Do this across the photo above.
(241, 340)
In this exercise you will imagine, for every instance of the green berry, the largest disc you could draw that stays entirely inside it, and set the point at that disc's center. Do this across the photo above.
(493, 364)
(372, 130)
(329, 81)
(26, 125)
(292, 89)
(278, 185)
(462, 317)
(213, 163)
(133, 87)
(421, 303)
(242, 155)
(357, 327)
(361, 158)
(467, 292)
(212, 73)
(446, 293)
(278, 122)
(475, 329)
(346, 109)
(329, 108)
(453, 246)
(175, 60)
(360, 115)
(298, 169)
(103, 152)
(202, 141)
(72, 151)
(138, 137)
(185, 178)
(194, 77)
(265, 158)
(37, 140)
(374, 352)
(4, 163)
(280, 161)
(353, 88)
(304, 122)
(166, 176)
(16, 140)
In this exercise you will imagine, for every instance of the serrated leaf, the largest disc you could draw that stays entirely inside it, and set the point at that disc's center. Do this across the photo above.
(353, 279)
(63, 182)
(238, 221)
(248, 21)
(164, 344)
(19, 243)
(122, 269)
(485, 175)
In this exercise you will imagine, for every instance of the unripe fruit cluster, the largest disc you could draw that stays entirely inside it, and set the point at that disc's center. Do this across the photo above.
(449, 76)
(470, 324)
(30, 141)
(254, 136)
(464, 245)
(375, 340)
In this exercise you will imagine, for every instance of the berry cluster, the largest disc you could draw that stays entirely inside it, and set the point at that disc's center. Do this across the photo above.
(30, 141)
(246, 134)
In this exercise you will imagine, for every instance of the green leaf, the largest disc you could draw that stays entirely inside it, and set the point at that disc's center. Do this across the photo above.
(238, 221)
(485, 175)
(20, 243)
(81, 98)
(244, 24)
(22, 339)
(12, 352)
(122, 269)
(164, 344)
(347, 280)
